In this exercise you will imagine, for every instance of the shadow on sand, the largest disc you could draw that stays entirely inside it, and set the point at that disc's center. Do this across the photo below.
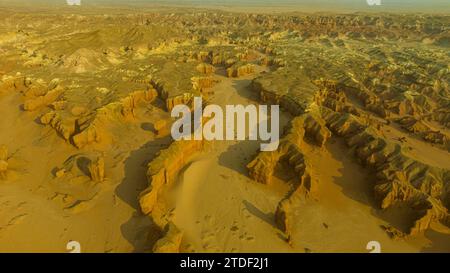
(269, 218)
(139, 230)
(237, 156)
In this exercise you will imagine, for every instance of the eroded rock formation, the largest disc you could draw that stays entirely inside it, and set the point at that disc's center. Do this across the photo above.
(90, 127)
(3, 161)
(206, 68)
(161, 174)
(36, 92)
(97, 169)
(421, 129)
(201, 83)
(239, 70)
(307, 127)
(304, 127)
(170, 242)
(162, 170)
(400, 179)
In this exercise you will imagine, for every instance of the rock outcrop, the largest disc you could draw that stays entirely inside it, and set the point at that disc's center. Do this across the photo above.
(206, 68)
(302, 128)
(65, 127)
(132, 101)
(3, 152)
(97, 169)
(161, 127)
(304, 188)
(201, 83)
(3, 161)
(36, 92)
(163, 169)
(173, 83)
(185, 98)
(87, 128)
(171, 240)
(307, 127)
(161, 174)
(292, 91)
(34, 103)
(421, 129)
(239, 70)
(400, 179)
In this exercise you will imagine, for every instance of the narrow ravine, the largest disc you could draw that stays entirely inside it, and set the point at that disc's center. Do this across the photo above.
(219, 208)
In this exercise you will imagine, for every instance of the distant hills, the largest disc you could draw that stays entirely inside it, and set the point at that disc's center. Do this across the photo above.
(440, 6)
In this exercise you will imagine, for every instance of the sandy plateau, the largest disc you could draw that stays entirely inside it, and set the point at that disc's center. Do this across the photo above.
(86, 153)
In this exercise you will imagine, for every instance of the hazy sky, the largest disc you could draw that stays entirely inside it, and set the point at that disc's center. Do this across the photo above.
(343, 5)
